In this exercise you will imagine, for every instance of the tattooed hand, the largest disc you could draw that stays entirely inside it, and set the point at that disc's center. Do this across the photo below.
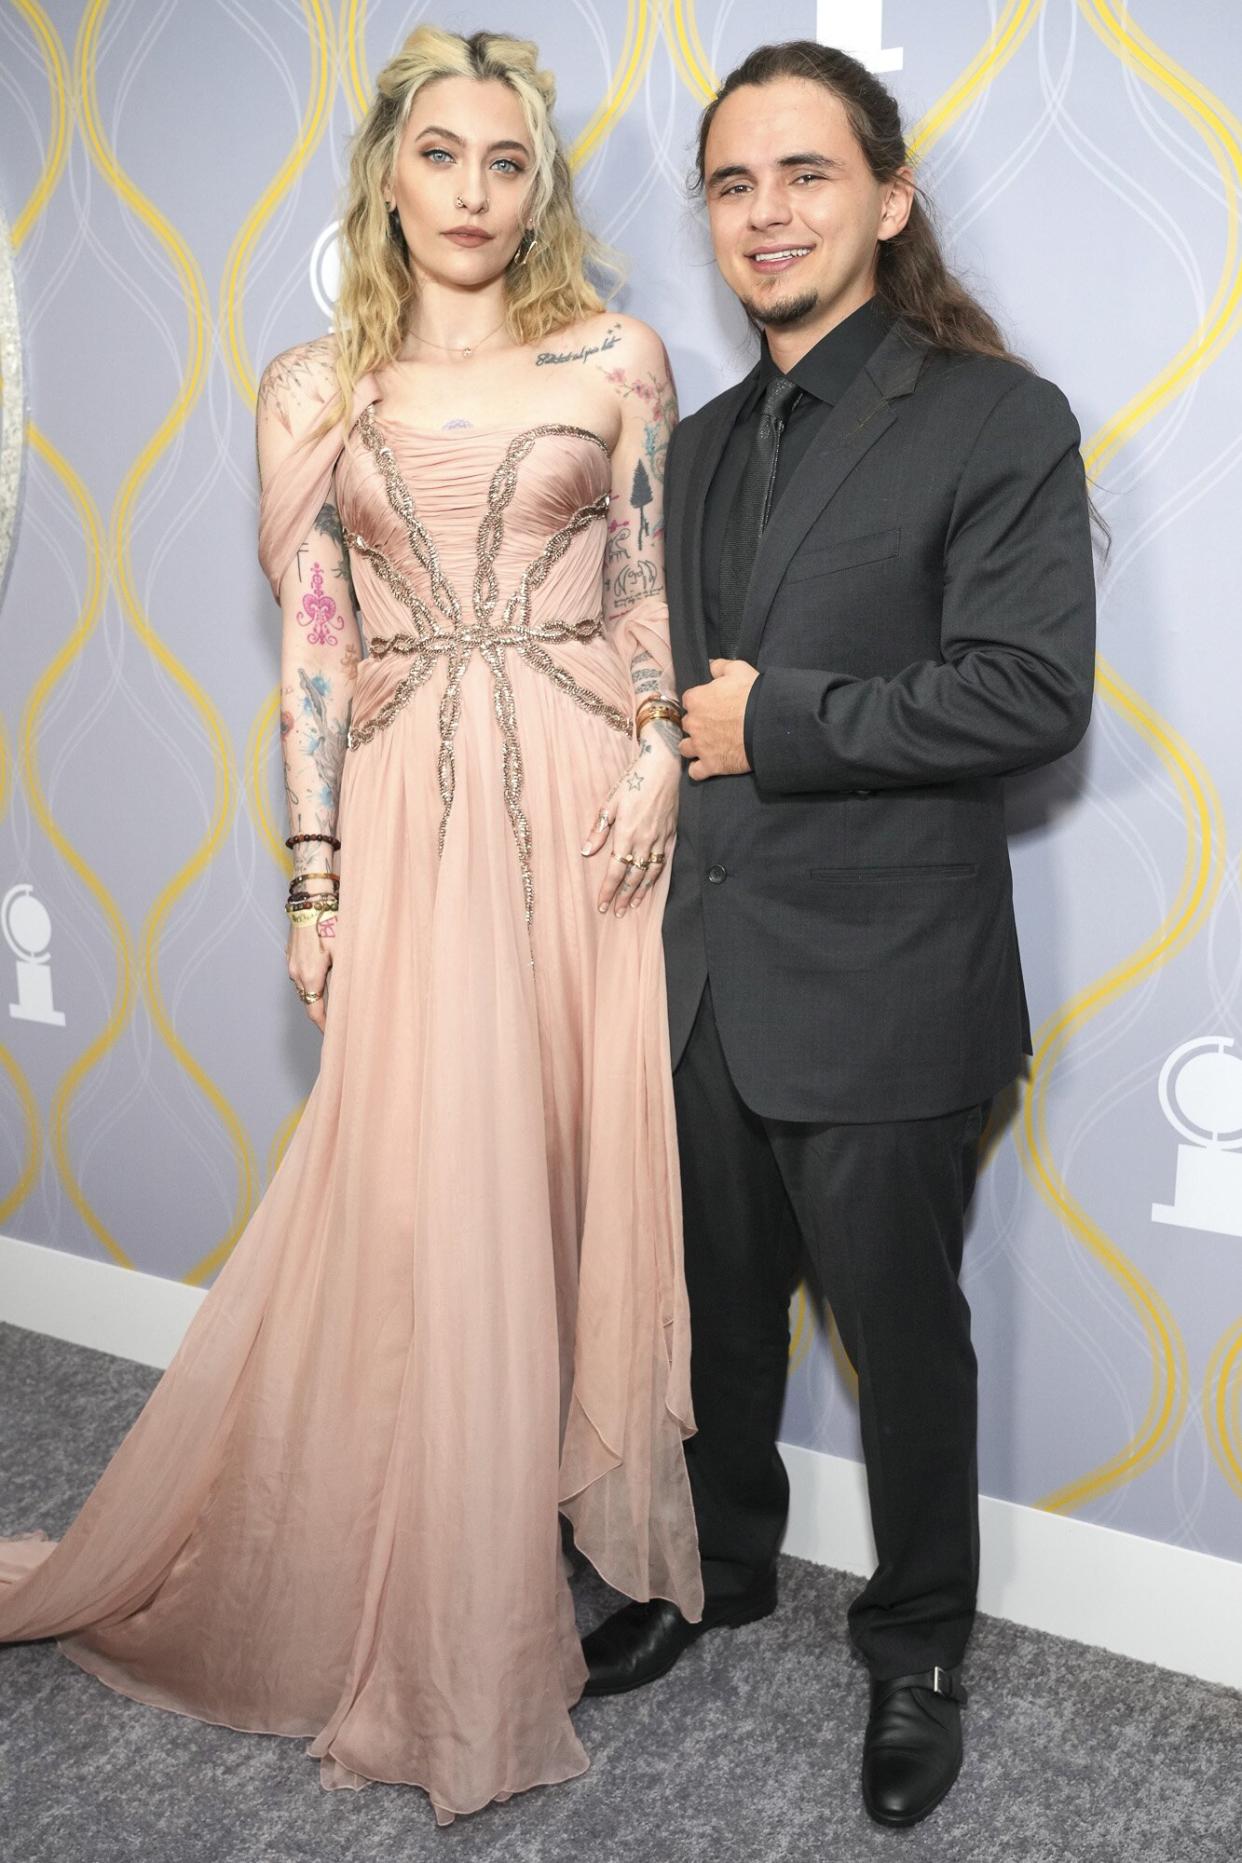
(639, 819)
(636, 825)
(309, 956)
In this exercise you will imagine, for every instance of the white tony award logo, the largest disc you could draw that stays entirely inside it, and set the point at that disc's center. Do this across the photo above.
(1201, 1095)
(857, 27)
(28, 932)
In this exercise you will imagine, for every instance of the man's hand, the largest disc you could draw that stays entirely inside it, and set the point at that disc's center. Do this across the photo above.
(712, 740)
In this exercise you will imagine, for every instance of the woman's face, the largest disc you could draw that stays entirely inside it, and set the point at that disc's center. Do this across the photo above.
(462, 179)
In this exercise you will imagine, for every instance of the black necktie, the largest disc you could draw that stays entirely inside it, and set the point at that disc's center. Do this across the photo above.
(751, 506)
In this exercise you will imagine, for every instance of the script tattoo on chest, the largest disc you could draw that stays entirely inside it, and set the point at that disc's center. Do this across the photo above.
(611, 338)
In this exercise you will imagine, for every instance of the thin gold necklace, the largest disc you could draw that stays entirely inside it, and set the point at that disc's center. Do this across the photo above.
(458, 349)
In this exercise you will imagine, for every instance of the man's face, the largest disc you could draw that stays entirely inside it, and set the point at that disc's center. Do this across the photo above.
(795, 211)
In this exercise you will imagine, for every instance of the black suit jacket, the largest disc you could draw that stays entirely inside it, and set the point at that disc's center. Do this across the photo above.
(922, 612)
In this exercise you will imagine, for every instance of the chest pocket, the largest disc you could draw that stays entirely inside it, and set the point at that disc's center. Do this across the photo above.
(845, 553)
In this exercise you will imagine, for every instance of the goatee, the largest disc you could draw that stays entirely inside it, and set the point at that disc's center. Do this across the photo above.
(784, 312)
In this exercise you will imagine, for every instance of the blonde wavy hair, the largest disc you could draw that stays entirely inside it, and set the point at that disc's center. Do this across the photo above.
(547, 290)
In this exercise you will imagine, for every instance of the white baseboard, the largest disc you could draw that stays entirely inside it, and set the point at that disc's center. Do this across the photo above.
(1161, 1604)
(94, 1303)
(1143, 1598)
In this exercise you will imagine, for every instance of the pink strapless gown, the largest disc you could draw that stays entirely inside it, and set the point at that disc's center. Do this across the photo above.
(459, 1308)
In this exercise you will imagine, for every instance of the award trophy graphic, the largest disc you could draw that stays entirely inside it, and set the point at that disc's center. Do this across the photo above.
(28, 932)
(1201, 1096)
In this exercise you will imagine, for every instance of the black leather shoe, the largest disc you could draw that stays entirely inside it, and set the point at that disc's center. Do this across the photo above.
(913, 1750)
(643, 1641)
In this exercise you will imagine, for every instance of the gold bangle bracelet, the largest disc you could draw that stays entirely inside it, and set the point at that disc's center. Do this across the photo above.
(311, 915)
(657, 709)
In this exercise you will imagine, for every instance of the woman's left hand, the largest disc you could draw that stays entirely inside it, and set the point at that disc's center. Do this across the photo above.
(640, 819)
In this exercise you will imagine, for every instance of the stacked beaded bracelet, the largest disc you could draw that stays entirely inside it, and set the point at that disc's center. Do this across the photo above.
(295, 839)
(309, 908)
(303, 912)
(305, 908)
(658, 706)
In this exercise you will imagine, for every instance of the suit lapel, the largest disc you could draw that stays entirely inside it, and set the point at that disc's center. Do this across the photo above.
(862, 415)
(696, 467)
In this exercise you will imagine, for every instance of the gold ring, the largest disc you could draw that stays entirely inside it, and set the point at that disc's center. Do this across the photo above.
(309, 996)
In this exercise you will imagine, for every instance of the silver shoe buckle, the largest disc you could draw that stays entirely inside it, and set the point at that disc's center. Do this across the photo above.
(939, 1688)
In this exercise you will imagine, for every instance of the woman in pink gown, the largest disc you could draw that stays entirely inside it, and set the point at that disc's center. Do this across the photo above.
(458, 1312)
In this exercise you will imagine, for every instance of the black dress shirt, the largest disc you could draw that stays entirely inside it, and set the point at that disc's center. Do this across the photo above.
(823, 375)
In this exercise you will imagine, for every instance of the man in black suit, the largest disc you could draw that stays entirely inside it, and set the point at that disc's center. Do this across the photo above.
(882, 602)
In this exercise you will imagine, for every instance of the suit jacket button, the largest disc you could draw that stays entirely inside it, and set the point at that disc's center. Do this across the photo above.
(717, 874)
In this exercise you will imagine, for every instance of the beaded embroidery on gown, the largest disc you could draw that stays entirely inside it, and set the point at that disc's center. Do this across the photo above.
(459, 1308)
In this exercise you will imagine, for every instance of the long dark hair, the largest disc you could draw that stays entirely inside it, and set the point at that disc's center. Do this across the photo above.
(912, 279)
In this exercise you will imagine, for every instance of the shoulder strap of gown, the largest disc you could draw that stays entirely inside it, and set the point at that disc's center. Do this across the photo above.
(297, 487)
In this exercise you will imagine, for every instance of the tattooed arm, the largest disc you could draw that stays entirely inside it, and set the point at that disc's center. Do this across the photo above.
(634, 562)
(642, 812)
(320, 646)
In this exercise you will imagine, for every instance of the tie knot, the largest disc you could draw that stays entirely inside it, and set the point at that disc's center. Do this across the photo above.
(778, 397)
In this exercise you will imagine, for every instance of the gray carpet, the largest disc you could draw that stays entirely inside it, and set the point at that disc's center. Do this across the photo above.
(747, 1752)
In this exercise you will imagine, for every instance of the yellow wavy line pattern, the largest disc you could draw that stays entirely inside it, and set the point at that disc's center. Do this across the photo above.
(93, 534)
(354, 61)
(801, 1327)
(1222, 1406)
(280, 1143)
(642, 29)
(999, 47)
(314, 121)
(28, 1175)
(28, 1170)
(57, 68)
(1205, 834)
(691, 61)
(1221, 130)
(1199, 884)
(695, 70)
(187, 270)
(332, 55)
(841, 1358)
(802, 1337)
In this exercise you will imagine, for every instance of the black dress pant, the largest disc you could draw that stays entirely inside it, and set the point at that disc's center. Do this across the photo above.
(878, 1210)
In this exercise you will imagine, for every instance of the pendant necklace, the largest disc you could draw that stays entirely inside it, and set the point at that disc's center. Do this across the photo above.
(458, 349)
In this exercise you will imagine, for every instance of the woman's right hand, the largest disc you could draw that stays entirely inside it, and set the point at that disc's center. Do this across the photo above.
(310, 960)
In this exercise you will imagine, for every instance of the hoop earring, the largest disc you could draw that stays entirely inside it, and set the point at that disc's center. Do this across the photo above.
(528, 241)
